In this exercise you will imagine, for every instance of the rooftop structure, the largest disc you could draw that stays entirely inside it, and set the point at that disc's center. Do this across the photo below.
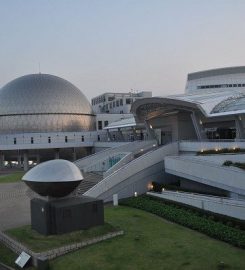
(118, 103)
(211, 112)
(229, 78)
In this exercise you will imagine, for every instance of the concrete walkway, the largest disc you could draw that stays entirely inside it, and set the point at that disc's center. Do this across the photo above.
(14, 205)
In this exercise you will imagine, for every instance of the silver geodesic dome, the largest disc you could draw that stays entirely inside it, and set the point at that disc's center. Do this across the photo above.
(43, 103)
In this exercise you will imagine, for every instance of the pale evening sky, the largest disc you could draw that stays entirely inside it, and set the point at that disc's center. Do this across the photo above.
(118, 45)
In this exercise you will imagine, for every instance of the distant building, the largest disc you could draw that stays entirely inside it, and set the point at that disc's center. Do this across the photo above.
(113, 107)
(118, 103)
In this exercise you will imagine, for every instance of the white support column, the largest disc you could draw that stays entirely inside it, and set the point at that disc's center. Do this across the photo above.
(134, 133)
(38, 158)
(120, 134)
(200, 132)
(19, 160)
(240, 134)
(150, 131)
(57, 154)
(74, 154)
(1, 160)
(26, 164)
(109, 137)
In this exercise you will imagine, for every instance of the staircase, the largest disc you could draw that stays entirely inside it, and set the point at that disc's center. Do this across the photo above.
(90, 180)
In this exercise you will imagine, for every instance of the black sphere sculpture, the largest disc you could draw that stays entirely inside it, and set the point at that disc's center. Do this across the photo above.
(54, 178)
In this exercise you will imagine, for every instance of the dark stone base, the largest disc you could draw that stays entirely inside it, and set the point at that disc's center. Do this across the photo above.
(66, 215)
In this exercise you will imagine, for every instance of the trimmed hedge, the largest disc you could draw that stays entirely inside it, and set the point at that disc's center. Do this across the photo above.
(189, 219)
(240, 165)
(221, 151)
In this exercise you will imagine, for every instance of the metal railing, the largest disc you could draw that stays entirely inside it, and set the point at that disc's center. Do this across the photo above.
(122, 174)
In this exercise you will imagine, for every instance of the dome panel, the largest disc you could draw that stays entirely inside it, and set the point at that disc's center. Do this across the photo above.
(50, 102)
(42, 93)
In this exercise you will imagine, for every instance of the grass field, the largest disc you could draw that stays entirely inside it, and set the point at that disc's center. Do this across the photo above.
(149, 242)
(7, 256)
(10, 178)
(38, 242)
(152, 243)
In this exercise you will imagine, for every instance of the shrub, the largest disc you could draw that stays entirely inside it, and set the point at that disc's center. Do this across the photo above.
(189, 219)
(221, 151)
(235, 164)
(227, 163)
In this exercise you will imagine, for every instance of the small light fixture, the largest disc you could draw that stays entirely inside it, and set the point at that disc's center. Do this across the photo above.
(234, 148)
(202, 150)
(150, 186)
(163, 189)
(151, 126)
(200, 121)
(154, 145)
(240, 118)
(216, 149)
(135, 194)
(141, 149)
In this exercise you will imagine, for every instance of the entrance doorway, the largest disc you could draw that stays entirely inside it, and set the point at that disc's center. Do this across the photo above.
(166, 137)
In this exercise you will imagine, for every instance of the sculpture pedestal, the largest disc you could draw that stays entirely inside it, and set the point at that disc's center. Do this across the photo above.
(66, 215)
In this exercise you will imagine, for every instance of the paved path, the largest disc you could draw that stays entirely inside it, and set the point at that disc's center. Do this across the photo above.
(14, 205)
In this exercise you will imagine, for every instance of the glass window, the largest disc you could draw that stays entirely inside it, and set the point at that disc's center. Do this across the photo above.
(106, 123)
(121, 102)
(128, 100)
(99, 125)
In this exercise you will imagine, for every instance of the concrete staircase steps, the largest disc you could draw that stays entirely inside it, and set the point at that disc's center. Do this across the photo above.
(90, 180)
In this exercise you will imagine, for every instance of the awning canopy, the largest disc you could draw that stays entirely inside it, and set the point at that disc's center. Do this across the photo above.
(123, 123)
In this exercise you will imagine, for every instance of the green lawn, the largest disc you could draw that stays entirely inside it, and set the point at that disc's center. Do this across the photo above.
(38, 242)
(150, 242)
(7, 256)
(10, 178)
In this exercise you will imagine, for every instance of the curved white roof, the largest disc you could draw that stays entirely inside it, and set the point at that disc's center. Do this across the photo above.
(207, 101)
(58, 170)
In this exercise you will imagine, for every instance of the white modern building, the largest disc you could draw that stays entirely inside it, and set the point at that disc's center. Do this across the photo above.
(45, 117)
(212, 107)
(209, 115)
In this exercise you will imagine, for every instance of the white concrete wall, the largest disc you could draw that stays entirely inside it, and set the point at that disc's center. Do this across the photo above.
(191, 85)
(103, 165)
(126, 158)
(123, 180)
(57, 140)
(194, 146)
(133, 147)
(227, 178)
(224, 206)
